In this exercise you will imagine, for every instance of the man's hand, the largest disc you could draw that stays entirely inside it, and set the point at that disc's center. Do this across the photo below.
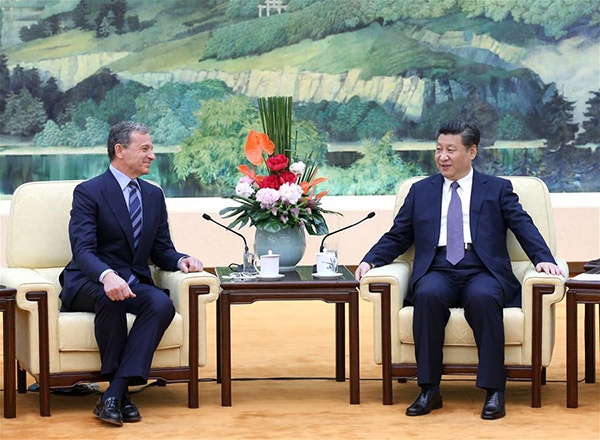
(550, 269)
(361, 270)
(190, 264)
(116, 288)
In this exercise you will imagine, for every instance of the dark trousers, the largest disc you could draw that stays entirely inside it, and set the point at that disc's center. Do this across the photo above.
(124, 355)
(468, 285)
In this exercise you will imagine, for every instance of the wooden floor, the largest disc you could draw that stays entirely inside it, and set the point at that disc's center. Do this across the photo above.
(297, 339)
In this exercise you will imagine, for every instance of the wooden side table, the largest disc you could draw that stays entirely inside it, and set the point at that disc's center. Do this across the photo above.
(588, 293)
(297, 285)
(7, 307)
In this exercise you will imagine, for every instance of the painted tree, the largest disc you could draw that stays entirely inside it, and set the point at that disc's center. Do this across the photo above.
(16, 79)
(4, 80)
(50, 96)
(591, 126)
(560, 137)
(24, 114)
(119, 9)
(79, 16)
(558, 119)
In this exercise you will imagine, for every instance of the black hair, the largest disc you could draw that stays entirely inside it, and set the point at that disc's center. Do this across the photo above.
(469, 133)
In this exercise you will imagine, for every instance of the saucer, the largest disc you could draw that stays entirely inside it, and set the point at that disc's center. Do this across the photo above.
(276, 277)
(327, 277)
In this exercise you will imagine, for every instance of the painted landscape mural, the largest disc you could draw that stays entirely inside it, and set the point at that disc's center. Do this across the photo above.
(371, 81)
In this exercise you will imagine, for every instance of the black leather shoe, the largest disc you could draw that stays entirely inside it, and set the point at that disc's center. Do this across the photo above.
(424, 403)
(493, 408)
(109, 411)
(129, 410)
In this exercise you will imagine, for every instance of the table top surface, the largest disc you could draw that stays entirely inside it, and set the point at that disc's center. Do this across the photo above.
(300, 275)
(587, 284)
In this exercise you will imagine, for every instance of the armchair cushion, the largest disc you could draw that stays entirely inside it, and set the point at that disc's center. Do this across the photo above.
(458, 332)
(76, 332)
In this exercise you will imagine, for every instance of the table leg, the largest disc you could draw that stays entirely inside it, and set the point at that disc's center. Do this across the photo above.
(590, 346)
(340, 342)
(21, 380)
(7, 305)
(571, 350)
(218, 325)
(354, 348)
(225, 326)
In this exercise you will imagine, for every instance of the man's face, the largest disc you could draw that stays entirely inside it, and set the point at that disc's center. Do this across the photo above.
(452, 158)
(135, 160)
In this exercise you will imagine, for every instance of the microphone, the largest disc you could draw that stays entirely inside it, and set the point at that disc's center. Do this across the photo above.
(369, 215)
(209, 218)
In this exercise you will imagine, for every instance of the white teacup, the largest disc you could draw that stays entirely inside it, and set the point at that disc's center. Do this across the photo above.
(269, 265)
(327, 263)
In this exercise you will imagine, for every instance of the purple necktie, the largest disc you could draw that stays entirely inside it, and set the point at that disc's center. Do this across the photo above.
(455, 245)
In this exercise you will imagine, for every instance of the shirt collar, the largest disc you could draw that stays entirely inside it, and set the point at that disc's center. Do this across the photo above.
(122, 179)
(465, 182)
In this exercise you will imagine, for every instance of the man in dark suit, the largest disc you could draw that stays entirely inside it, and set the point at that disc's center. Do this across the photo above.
(118, 223)
(457, 221)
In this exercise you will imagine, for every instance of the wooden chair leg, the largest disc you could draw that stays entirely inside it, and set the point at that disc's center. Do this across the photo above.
(44, 380)
(21, 380)
(386, 340)
(543, 375)
(536, 347)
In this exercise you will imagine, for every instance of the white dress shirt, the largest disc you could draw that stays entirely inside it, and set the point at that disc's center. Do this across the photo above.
(464, 192)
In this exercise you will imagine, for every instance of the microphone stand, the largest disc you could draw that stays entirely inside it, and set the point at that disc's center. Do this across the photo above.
(369, 215)
(209, 218)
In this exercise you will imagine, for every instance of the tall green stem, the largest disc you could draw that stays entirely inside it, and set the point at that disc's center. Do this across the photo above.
(276, 118)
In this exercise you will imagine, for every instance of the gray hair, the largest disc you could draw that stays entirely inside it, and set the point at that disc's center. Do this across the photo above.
(120, 133)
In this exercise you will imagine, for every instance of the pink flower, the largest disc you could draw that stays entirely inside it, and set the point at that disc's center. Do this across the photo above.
(246, 179)
(267, 197)
(295, 211)
(277, 162)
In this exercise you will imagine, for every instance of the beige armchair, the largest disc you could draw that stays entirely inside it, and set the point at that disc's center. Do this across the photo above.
(59, 349)
(529, 330)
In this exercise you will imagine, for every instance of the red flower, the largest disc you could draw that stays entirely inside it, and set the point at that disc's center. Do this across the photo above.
(277, 162)
(287, 177)
(271, 181)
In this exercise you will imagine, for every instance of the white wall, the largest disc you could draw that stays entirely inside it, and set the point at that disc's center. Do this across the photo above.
(577, 218)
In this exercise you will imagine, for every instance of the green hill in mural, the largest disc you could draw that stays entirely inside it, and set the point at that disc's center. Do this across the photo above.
(358, 70)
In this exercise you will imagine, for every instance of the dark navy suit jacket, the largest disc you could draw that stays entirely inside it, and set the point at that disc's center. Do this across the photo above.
(494, 208)
(102, 237)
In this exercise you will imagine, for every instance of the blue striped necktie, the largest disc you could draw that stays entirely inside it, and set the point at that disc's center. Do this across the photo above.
(455, 246)
(135, 213)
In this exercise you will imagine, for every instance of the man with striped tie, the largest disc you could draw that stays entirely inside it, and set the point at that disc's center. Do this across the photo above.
(118, 223)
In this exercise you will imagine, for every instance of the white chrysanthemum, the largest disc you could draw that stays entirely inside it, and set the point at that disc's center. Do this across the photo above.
(298, 168)
(244, 189)
(290, 193)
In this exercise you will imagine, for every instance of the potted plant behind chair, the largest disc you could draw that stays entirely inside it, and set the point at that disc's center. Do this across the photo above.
(283, 203)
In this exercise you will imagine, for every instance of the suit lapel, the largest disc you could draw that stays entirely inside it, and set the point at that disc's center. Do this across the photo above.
(478, 192)
(435, 205)
(113, 195)
(148, 211)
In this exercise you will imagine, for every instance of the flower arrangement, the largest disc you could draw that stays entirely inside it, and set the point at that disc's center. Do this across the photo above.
(284, 197)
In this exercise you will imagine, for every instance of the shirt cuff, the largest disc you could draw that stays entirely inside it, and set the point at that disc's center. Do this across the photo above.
(180, 260)
(103, 274)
